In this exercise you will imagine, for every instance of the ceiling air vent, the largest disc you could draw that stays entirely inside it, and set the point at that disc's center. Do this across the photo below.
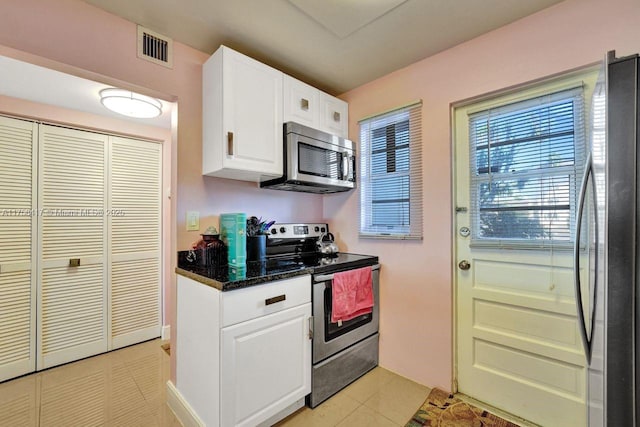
(155, 47)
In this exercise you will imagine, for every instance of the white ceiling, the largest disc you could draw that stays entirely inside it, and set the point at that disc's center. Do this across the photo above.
(335, 45)
(34, 83)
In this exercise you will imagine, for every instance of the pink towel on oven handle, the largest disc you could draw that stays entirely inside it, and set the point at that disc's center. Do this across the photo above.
(351, 294)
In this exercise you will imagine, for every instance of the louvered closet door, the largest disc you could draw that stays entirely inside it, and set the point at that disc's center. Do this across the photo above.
(73, 299)
(135, 244)
(17, 275)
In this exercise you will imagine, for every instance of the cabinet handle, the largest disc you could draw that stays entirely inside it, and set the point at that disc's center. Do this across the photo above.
(304, 104)
(336, 116)
(230, 143)
(74, 262)
(274, 300)
(311, 327)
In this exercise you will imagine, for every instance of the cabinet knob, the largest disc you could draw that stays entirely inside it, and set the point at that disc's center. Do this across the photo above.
(230, 143)
(336, 116)
(304, 104)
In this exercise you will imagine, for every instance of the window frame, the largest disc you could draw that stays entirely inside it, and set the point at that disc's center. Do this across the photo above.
(412, 229)
(584, 78)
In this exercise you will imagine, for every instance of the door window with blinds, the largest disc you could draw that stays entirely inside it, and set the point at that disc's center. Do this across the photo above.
(391, 174)
(526, 160)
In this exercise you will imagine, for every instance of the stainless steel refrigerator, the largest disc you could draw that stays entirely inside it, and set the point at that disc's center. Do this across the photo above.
(606, 251)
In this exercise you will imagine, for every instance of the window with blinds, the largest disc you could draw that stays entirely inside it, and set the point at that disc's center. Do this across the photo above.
(391, 174)
(526, 158)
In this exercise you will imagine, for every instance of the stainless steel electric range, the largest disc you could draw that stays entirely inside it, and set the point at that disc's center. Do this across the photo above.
(344, 351)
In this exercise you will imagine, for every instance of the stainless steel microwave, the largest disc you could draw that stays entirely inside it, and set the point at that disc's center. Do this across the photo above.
(315, 162)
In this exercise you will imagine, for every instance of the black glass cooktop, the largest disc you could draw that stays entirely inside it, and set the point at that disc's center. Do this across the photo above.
(274, 268)
(327, 264)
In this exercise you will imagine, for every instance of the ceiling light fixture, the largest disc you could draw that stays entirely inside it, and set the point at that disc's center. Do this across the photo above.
(130, 103)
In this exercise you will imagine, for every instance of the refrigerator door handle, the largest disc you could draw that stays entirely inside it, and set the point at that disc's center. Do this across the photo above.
(576, 259)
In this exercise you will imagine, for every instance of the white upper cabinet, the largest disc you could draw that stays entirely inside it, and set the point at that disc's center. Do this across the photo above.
(311, 107)
(242, 117)
(301, 102)
(244, 106)
(334, 115)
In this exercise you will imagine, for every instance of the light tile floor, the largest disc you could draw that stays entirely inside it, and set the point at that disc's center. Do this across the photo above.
(378, 399)
(127, 387)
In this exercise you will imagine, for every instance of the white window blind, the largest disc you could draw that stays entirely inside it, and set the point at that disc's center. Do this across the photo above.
(391, 174)
(526, 159)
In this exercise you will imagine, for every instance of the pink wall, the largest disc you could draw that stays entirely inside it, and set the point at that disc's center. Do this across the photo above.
(77, 38)
(417, 293)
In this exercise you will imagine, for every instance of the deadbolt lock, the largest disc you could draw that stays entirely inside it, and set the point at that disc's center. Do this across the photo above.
(464, 265)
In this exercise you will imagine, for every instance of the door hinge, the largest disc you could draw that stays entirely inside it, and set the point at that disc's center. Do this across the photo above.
(461, 209)
(310, 327)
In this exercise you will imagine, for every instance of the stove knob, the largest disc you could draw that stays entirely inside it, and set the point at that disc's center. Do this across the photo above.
(317, 229)
(274, 231)
(322, 229)
(282, 229)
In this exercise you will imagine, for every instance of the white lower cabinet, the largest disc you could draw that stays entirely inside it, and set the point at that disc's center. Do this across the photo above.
(264, 364)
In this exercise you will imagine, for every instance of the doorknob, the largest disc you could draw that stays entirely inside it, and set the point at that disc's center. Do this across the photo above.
(464, 265)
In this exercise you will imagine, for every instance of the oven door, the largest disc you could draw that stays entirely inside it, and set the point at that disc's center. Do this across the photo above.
(330, 338)
(321, 163)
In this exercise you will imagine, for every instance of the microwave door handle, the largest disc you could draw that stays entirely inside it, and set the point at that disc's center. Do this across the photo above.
(346, 166)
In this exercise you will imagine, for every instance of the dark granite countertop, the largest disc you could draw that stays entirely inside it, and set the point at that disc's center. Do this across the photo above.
(226, 278)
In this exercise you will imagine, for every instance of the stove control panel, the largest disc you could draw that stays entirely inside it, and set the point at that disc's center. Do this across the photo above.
(297, 231)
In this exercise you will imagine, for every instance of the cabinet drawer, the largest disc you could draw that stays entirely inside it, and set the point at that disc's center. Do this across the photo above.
(245, 304)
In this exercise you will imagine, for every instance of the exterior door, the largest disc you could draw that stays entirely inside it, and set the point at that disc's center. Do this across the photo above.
(518, 346)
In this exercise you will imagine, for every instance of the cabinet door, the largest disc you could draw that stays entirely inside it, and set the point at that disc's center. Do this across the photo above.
(17, 278)
(301, 102)
(334, 116)
(266, 366)
(135, 245)
(72, 312)
(252, 116)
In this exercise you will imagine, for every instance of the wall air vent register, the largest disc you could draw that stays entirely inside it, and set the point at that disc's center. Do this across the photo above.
(155, 47)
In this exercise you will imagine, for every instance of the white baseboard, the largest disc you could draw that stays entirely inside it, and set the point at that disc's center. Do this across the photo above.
(181, 408)
(165, 333)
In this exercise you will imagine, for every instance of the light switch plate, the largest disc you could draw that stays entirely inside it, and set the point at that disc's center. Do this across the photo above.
(193, 220)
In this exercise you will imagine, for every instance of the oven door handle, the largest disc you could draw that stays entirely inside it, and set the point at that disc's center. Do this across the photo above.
(328, 277)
